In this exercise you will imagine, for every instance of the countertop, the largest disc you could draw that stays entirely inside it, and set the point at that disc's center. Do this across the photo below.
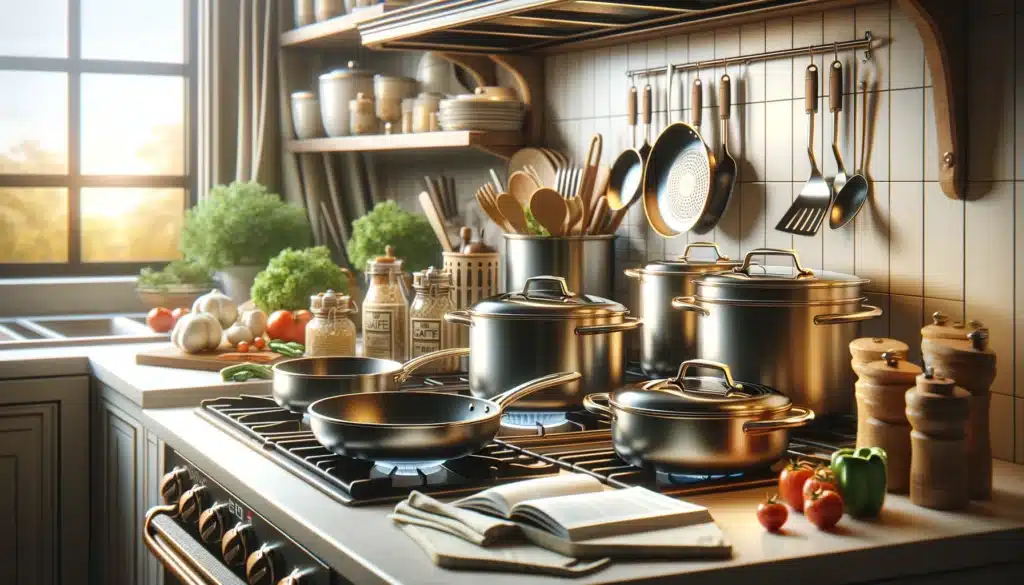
(114, 365)
(363, 545)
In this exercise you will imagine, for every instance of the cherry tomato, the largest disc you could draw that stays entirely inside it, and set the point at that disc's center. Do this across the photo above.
(242, 347)
(179, 313)
(281, 325)
(160, 320)
(791, 484)
(258, 343)
(824, 508)
(823, 479)
(772, 514)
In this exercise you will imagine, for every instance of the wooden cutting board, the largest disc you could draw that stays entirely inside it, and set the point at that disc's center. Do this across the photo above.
(172, 357)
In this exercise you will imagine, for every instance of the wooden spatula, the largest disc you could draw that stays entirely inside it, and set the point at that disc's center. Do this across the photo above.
(509, 207)
(600, 212)
(434, 217)
(574, 221)
(593, 161)
(549, 210)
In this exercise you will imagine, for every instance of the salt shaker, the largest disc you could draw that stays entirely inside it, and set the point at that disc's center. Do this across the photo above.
(937, 410)
(881, 413)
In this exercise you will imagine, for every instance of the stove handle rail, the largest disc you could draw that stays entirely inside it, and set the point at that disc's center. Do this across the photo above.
(180, 553)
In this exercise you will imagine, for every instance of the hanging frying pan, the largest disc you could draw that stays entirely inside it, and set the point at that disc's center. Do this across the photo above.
(725, 170)
(678, 176)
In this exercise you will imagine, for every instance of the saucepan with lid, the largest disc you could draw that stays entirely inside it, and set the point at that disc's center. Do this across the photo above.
(699, 424)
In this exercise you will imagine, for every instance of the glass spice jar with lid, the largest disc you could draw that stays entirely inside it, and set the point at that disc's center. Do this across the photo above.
(385, 309)
(331, 332)
(428, 331)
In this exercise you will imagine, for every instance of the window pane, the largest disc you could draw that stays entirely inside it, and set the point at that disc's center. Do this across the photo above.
(34, 28)
(131, 225)
(34, 114)
(33, 225)
(133, 125)
(134, 30)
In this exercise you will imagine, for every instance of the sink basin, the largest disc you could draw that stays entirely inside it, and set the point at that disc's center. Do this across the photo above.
(72, 330)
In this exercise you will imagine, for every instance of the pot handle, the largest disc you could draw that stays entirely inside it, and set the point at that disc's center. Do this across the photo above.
(718, 253)
(590, 402)
(730, 384)
(798, 417)
(869, 312)
(523, 390)
(629, 324)
(563, 287)
(633, 273)
(689, 304)
(801, 271)
(415, 363)
(458, 318)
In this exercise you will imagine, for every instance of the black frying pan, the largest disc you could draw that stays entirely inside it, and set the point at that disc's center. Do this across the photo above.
(410, 428)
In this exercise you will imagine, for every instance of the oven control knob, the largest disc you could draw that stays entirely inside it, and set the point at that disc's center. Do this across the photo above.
(173, 484)
(192, 503)
(237, 544)
(213, 522)
(262, 566)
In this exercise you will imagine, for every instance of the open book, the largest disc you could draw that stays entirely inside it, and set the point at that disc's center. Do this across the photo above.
(577, 507)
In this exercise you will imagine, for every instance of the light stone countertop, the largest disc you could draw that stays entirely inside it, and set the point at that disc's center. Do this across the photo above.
(114, 365)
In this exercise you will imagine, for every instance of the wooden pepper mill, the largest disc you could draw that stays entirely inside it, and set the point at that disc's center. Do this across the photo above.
(941, 328)
(870, 349)
(937, 410)
(881, 414)
(972, 364)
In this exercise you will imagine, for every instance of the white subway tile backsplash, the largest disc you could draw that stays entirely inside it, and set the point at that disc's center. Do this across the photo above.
(871, 243)
(906, 238)
(561, 90)
(1000, 421)
(810, 248)
(587, 83)
(750, 126)
(943, 244)
(801, 129)
(1018, 321)
(779, 72)
(877, 327)
(807, 31)
(751, 85)
(988, 277)
(601, 60)
(778, 198)
(906, 141)
(877, 151)
(874, 18)
(905, 320)
(838, 248)
(618, 83)
(752, 216)
(907, 53)
(990, 99)
(931, 147)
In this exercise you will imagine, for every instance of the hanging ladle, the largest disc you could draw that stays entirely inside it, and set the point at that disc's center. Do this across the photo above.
(854, 193)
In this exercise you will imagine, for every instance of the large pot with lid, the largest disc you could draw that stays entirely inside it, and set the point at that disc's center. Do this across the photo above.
(517, 336)
(783, 326)
(695, 424)
(670, 337)
(337, 89)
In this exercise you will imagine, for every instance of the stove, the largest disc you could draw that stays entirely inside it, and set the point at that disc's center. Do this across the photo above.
(529, 445)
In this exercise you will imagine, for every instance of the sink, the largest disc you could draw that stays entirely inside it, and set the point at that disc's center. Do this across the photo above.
(72, 330)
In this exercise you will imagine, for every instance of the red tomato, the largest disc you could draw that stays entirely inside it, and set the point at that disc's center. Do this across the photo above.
(160, 320)
(303, 316)
(824, 508)
(823, 479)
(281, 325)
(791, 484)
(772, 514)
(258, 343)
(242, 347)
(179, 313)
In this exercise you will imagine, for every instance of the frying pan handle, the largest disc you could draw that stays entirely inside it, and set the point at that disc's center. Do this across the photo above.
(458, 318)
(523, 390)
(696, 102)
(414, 364)
(801, 271)
(631, 106)
(629, 324)
(633, 273)
(590, 402)
(798, 417)
(689, 304)
(869, 312)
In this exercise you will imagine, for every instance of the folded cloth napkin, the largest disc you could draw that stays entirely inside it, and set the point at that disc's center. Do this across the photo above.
(482, 530)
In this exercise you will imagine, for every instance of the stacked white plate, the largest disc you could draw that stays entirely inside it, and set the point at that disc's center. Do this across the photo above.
(481, 111)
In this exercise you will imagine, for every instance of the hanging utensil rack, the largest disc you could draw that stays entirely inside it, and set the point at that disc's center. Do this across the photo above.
(865, 43)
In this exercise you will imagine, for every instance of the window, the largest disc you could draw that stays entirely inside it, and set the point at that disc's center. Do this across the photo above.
(97, 133)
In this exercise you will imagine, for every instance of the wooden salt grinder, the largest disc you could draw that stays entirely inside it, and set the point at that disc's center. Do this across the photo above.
(881, 414)
(870, 349)
(941, 328)
(937, 410)
(972, 364)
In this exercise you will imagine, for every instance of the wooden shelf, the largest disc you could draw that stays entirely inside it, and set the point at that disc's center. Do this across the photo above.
(502, 144)
(334, 32)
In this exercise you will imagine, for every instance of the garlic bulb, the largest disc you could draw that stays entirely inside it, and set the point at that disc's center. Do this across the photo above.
(237, 333)
(255, 320)
(196, 332)
(219, 305)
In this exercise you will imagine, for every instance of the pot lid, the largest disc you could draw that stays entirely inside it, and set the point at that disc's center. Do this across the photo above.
(700, 395)
(353, 70)
(686, 265)
(547, 297)
(757, 283)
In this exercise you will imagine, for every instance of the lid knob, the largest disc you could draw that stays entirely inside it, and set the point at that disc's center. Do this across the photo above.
(975, 324)
(939, 318)
(891, 359)
(876, 339)
(389, 255)
(979, 339)
(929, 373)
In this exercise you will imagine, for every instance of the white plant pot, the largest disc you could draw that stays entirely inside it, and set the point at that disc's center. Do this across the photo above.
(236, 281)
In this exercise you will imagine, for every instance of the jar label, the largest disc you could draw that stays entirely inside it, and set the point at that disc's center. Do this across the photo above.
(378, 333)
(426, 336)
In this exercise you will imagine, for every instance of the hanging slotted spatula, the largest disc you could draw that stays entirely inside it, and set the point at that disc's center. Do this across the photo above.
(804, 217)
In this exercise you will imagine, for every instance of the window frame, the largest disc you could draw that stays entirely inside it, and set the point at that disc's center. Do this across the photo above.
(73, 180)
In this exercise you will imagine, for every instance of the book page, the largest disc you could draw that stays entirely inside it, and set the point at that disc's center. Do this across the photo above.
(507, 496)
(609, 513)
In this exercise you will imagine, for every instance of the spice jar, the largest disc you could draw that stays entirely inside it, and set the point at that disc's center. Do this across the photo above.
(361, 118)
(424, 105)
(331, 332)
(428, 331)
(385, 309)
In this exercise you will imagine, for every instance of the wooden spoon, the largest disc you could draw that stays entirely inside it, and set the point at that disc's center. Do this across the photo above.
(513, 212)
(574, 222)
(597, 220)
(521, 186)
(549, 210)
(434, 217)
(492, 211)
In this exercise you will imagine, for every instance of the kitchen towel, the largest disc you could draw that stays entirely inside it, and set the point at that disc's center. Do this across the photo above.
(479, 529)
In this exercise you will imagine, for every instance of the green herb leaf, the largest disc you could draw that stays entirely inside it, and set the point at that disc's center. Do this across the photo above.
(389, 225)
(293, 276)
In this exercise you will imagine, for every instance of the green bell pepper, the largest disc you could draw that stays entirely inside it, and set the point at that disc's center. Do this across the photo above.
(860, 477)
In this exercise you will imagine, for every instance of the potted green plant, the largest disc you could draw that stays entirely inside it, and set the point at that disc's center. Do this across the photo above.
(237, 229)
(389, 225)
(293, 276)
(175, 285)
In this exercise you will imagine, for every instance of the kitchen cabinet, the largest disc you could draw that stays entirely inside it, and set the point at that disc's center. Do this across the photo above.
(44, 481)
(126, 475)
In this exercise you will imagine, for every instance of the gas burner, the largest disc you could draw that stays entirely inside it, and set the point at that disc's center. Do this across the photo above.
(533, 419)
(690, 478)
(407, 468)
